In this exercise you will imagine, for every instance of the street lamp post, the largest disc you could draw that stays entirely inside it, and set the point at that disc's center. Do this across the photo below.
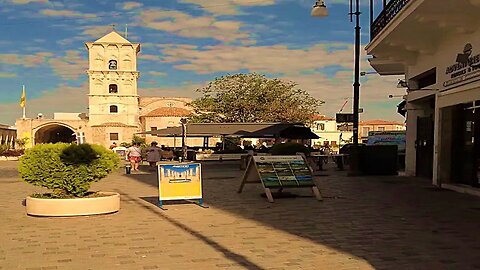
(183, 121)
(320, 10)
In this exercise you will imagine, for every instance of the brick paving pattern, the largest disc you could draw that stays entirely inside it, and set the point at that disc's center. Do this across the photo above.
(363, 223)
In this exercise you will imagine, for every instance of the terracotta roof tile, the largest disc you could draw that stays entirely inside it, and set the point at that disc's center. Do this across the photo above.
(113, 124)
(168, 111)
(319, 117)
(380, 122)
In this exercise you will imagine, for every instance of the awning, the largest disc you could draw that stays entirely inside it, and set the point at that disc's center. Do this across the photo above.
(239, 130)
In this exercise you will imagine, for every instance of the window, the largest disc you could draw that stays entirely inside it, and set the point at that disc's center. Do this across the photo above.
(365, 131)
(153, 128)
(113, 109)
(112, 88)
(321, 126)
(113, 136)
(112, 64)
(381, 128)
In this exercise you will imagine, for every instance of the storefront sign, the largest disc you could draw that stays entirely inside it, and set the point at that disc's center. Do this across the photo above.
(179, 181)
(344, 117)
(397, 138)
(466, 68)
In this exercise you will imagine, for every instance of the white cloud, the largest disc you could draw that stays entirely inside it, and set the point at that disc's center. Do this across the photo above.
(66, 13)
(157, 73)
(185, 25)
(131, 5)
(95, 31)
(63, 98)
(227, 7)
(72, 66)
(25, 60)
(265, 59)
(24, 2)
(7, 75)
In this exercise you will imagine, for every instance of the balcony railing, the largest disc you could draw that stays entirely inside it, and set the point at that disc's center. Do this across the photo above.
(388, 13)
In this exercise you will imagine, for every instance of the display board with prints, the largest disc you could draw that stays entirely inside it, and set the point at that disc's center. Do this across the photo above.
(181, 181)
(279, 172)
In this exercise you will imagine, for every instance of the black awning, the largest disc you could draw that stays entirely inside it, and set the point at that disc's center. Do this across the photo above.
(402, 108)
(298, 132)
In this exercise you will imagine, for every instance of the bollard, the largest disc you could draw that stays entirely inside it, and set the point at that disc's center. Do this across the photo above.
(128, 169)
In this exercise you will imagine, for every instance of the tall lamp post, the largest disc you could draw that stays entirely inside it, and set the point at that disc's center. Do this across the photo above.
(183, 121)
(320, 10)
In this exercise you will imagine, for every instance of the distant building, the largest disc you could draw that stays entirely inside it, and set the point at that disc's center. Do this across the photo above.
(377, 125)
(7, 135)
(330, 133)
(115, 110)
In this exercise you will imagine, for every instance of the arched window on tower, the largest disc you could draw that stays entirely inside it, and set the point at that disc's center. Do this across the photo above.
(112, 64)
(112, 88)
(113, 109)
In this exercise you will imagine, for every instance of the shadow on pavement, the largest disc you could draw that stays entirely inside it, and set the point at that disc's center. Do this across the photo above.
(237, 258)
(391, 222)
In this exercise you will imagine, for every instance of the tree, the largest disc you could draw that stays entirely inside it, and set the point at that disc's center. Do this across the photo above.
(253, 98)
(21, 142)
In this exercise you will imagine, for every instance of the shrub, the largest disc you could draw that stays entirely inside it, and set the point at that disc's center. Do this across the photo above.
(4, 148)
(66, 169)
(21, 142)
(289, 149)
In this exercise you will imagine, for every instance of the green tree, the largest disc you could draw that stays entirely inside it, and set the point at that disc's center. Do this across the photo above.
(21, 142)
(253, 98)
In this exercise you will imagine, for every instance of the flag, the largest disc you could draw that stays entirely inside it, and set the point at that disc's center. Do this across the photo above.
(23, 99)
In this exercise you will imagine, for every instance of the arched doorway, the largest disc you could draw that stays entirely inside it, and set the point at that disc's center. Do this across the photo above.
(54, 133)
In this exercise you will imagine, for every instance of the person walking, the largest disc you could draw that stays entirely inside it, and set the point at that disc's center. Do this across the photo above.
(153, 154)
(134, 154)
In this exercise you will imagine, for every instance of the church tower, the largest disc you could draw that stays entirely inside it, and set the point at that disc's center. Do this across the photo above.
(113, 98)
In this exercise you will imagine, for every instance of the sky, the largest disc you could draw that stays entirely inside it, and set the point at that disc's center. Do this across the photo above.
(184, 45)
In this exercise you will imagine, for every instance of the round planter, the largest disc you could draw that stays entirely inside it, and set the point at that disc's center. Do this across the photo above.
(73, 207)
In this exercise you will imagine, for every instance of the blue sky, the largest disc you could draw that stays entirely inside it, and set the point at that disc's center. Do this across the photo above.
(185, 43)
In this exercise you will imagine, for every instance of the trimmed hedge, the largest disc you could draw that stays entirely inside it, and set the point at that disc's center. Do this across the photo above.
(67, 169)
(289, 149)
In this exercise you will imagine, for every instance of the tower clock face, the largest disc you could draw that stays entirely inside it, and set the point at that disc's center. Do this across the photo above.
(112, 64)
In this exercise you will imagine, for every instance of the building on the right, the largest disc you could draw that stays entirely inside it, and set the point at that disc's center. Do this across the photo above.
(436, 45)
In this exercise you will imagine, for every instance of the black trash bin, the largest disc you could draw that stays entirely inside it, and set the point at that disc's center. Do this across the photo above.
(379, 159)
(191, 155)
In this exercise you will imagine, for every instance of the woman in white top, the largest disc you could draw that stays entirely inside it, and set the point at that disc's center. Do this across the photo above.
(153, 154)
(134, 154)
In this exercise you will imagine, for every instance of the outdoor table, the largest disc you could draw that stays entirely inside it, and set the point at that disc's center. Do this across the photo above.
(320, 159)
(339, 159)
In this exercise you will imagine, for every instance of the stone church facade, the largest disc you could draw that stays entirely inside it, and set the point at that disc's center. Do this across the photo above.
(115, 110)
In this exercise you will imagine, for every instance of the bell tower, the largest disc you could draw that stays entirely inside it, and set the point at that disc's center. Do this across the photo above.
(113, 97)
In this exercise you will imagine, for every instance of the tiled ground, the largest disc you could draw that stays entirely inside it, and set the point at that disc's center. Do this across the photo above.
(363, 223)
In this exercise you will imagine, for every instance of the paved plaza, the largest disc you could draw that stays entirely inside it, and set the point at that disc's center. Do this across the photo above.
(363, 223)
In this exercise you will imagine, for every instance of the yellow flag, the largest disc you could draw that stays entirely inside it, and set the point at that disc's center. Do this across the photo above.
(23, 99)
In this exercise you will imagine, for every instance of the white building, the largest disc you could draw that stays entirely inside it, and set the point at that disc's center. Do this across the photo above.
(436, 45)
(330, 133)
